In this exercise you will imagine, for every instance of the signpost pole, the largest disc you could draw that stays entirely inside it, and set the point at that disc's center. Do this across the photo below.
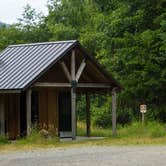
(143, 118)
(143, 109)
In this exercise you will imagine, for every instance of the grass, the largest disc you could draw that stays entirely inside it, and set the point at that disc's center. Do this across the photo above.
(151, 133)
(134, 130)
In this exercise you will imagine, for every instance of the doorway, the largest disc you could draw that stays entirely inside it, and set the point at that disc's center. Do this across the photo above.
(64, 102)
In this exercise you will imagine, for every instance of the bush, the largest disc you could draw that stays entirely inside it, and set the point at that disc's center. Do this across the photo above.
(137, 129)
(124, 116)
(3, 140)
(158, 130)
(157, 113)
(39, 137)
(102, 118)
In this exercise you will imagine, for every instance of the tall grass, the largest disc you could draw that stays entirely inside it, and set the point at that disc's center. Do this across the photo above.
(39, 138)
(135, 133)
(149, 129)
(3, 140)
(136, 129)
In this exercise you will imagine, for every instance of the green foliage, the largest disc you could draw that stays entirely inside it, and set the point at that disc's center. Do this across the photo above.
(125, 116)
(101, 111)
(3, 140)
(134, 130)
(149, 129)
(39, 137)
(127, 37)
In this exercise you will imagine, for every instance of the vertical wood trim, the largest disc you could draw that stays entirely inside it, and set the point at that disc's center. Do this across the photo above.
(2, 116)
(73, 96)
(88, 115)
(114, 95)
(28, 110)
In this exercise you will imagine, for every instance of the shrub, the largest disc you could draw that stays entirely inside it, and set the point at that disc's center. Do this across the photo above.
(39, 137)
(3, 140)
(137, 129)
(158, 130)
(124, 116)
(102, 118)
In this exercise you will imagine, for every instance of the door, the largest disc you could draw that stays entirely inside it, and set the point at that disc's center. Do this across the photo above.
(64, 101)
(35, 109)
(23, 125)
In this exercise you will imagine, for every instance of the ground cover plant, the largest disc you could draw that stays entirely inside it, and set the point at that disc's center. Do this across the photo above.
(151, 133)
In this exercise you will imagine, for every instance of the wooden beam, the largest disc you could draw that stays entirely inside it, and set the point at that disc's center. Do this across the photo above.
(114, 111)
(93, 85)
(2, 115)
(28, 110)
(47, 84)
(9, 91)
(80, 70)
(88, 115)
(79, 85)
(66, 71)
(73, 96)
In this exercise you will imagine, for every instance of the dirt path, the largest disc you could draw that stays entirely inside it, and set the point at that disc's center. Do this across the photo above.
(89, 156)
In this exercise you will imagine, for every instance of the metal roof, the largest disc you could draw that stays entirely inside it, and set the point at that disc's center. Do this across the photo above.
(21, 64)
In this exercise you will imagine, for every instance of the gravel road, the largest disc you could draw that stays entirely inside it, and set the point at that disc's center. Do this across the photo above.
(88, 156)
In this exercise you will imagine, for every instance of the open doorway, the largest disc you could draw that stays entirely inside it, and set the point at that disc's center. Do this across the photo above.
(64, 101)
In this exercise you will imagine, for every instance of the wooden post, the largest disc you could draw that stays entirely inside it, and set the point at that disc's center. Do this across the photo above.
(87, 115)
(114, 112)
(2, 116)
(143, 117)
(73, 96)
(28, 111)
(66, 71)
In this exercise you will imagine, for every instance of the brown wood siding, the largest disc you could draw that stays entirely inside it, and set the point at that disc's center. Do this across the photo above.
(12, 115)
(48, 110)
(43, 109)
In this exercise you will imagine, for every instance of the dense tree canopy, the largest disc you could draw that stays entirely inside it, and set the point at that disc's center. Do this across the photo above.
(128, 37)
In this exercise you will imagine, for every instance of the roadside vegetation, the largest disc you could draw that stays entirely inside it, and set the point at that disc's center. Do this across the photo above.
(151, 133)
(129, 39)
(133, 130)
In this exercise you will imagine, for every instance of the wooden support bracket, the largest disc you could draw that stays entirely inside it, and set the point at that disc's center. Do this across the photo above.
(66, 71)
(80, 70)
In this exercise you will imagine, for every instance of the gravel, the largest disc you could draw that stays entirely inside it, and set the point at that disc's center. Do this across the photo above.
(88, 156)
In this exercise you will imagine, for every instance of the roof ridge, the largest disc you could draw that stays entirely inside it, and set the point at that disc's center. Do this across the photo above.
(43, 43)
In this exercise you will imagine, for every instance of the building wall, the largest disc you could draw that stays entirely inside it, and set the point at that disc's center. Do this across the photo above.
(48, 110)
(14, 118)
(12, 115)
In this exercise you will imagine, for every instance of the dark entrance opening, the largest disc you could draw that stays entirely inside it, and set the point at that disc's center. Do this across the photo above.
(64, 100)
(23, 124)
(35, 109)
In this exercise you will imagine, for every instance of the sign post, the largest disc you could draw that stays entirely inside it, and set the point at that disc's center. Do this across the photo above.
(143, 109)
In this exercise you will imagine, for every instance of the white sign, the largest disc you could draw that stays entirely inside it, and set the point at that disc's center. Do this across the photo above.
(143, 108)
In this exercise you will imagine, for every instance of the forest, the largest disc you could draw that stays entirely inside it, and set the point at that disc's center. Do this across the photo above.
(128, 37)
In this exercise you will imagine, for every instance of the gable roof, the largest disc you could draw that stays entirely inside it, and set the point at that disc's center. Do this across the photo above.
(21, 64)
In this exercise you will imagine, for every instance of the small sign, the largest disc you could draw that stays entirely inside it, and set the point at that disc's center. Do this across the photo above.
(143, 108)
